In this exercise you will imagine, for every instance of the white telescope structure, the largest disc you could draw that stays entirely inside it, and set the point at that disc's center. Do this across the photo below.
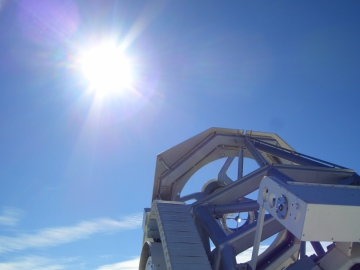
(291, 199)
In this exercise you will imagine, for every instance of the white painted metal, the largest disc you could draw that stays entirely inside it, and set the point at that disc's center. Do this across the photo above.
(315, 212)
(341, 256)
(156, 259)
(257, 239)
(300, 193)
(290, 256)
(180, 239)
(152, 257)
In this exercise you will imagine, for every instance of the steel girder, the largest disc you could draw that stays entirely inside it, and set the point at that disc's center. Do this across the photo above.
(275, 158)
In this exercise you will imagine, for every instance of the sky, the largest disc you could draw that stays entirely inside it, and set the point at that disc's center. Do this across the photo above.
(77, 164)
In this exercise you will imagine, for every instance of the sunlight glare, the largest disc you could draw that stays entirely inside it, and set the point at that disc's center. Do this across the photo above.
(106, 68)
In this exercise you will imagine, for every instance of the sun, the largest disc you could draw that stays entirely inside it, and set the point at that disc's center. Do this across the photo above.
(106, 69)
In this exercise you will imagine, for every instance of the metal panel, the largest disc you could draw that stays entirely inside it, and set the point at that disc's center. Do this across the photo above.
(180, 239)
(304, 263)
(310, 206)
(314, 174)
(179, 163)
(304, 208)
(272, 138)
(341, 256)
(157, 257)
(176, 155)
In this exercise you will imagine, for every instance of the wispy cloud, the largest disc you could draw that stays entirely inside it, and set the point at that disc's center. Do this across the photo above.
(245, 256)
(31, 262)
(61, 235)
(125, 265)
(10, 216)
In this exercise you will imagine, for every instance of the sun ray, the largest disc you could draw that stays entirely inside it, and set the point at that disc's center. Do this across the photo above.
(146, 16)
(106, 68)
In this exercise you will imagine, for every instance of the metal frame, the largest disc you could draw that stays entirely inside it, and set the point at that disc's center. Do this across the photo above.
(275, 158)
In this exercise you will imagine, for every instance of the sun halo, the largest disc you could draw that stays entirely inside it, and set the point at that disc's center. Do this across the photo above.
(106, 69)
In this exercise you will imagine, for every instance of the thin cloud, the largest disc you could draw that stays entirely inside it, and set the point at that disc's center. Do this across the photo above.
(134, 264)
(245, 256)
(125, 265)
(10, 216)
(31, 262)
(61, 235)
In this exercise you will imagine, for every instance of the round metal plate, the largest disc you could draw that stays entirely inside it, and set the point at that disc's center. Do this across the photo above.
(281, 207)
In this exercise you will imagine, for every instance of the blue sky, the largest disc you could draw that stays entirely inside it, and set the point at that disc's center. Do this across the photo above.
(77, 172)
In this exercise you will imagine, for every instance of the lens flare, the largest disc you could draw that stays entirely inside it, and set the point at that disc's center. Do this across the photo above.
(106, 68)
